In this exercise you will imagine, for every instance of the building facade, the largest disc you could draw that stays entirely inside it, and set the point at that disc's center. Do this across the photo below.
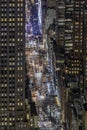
(73, 24)
(12, 63)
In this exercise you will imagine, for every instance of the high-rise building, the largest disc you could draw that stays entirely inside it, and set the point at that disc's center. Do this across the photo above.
(71, 18)
(74, 13)
(74, 35)
(68, 26)
(78, 27)
(60, 35)
(12, 63)
(60, 22)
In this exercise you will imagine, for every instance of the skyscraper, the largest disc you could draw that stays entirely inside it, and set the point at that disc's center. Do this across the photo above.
(74, 13)
(75, 59)
(78, 26)
(68, 26)
(12, 63)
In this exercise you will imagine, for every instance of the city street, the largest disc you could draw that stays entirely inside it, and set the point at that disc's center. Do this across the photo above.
(41, 85)
(43, 64)
(40, 71)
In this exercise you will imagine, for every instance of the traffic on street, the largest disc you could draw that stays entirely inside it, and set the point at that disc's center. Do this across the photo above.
(40, 74)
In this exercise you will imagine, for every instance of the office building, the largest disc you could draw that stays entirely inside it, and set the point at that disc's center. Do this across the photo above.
(73, 46)
(78, 27)
(68, 26)
(73, 24)
(12, 63)
(60, 22)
